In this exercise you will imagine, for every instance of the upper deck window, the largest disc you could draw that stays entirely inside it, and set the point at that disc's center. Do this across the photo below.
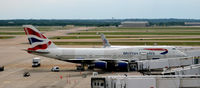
(173, 48)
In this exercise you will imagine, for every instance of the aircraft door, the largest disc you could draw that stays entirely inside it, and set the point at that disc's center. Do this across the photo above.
(143, 55)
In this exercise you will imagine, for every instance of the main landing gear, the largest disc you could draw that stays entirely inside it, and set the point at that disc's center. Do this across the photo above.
(81, 67)
(132, 66)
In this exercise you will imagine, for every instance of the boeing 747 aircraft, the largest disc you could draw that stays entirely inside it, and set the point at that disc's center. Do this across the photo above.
(104, 58)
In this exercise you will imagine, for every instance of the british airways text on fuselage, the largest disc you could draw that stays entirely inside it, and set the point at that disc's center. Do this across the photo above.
(138, 53)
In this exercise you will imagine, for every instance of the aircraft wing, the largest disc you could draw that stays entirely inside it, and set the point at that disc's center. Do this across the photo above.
(36, 52)
(91, 61)
(103, 63)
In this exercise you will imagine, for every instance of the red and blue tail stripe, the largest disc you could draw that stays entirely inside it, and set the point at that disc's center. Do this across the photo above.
(33, 40)
(29, 31)
(158, 49)
(42, 46)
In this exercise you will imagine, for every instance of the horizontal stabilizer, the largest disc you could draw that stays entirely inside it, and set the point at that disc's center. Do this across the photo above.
(36, 52)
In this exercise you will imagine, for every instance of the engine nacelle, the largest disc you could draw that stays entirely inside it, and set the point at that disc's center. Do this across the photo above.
(100, 64)
(122, 65)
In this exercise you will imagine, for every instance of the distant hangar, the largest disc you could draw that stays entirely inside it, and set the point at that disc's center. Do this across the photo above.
(134, 24)
(192, 23)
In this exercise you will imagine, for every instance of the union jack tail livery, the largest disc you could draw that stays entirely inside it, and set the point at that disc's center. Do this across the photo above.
(37, 40)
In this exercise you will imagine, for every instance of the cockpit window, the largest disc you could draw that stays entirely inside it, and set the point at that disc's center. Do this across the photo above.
(173, 48)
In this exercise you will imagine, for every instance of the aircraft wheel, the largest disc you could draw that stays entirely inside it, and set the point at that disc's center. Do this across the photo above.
(133, 67)
(80, 68)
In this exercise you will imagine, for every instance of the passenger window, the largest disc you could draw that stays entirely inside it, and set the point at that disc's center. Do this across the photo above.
(173, 48)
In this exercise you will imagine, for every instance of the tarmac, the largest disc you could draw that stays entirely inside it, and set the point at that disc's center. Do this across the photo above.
(17, 61)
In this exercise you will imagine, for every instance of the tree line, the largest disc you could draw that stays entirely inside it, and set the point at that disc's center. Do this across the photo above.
(93, 22)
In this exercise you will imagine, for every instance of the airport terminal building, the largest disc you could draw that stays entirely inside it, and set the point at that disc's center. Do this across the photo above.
(134, 24)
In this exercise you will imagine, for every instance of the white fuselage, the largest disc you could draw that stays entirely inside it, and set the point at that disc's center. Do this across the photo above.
(122, 53)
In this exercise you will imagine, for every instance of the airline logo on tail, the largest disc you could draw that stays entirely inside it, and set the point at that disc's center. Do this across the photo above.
(158, 49)
(36, 39)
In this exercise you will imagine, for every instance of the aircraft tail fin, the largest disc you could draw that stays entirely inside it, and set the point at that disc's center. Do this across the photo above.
(105, 41)
(37, 40)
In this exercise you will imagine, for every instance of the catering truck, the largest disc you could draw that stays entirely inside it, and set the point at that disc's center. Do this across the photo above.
(36, 62)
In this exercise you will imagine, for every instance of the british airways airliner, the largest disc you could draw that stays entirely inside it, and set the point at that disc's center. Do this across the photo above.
(104, 58)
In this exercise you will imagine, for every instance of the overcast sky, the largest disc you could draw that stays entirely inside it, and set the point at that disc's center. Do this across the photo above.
(99, 9)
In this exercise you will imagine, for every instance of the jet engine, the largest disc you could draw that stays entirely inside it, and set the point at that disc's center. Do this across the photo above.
(122, 65)
(100, 64)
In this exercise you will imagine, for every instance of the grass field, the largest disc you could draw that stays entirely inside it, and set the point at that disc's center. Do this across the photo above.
(159, 35)
(20, 28)
(6, 37)
(75, 37)
(96, 37)
(12, 33)
(118, 37)
(148, 28)
(130, 43)
(137, 33)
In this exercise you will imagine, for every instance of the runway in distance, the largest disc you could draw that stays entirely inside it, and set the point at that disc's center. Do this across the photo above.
(104, 58)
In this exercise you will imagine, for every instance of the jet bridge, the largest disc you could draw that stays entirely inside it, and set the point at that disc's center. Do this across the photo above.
(188, 70)
(147, 65)
(159, 81)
